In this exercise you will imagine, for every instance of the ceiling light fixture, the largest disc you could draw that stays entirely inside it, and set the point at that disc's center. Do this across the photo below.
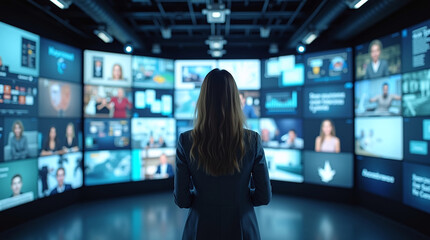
(216, 13)
(310, 37)
(156, 48)
(273, 49)
(301, 48)
(63, 4)
(166, 33)
(128, 48)
(103, 35)
(216, 53)
(264, 32)
(216, 42)
(355, 4)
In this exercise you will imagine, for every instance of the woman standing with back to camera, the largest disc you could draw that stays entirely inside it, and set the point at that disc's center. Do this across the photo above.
(216, 163)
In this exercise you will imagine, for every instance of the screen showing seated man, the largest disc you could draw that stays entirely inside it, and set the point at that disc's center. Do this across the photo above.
(284, 165)
(329, 169)
(246, 72)
(153, 103)
(283, 71)
(59, 136)
(154, 163)
(416, 135)
(18, 183)
(415, 50)
(60, 173)
(60, 61)
(107, 102)
(56, 98)
(416, 93)
(378, 97)
(20, 138)
(328, 135)
(185, 103)
(329, 66)
(328, 101)
(19, 53)
(105, 134)
(105, 68)
(151, 72)
(379, 137)
(281, 102)
(250, 103)
(191, 73)
(379, 58)
(281, 133)
(153, 132)
(104, 167)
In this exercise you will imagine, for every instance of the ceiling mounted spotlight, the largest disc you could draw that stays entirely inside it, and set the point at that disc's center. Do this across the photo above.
(128, 48)
(215, 13)
(63, 4)
(216, 53)
(216, 42)
(355, 4)
(301, 48)
(103, 34)
(273, 49)
(166, 33)
(156, 48)
(310, 37)
(264, 32)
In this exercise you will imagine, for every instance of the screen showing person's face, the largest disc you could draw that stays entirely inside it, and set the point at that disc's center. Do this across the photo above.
(163, 159)
(120, 93)
(375, 51)
(16, 186)
(17, 130)
(291, 135)
(385, 89)
(69, 131)
(327, 128)
(52, 133)
(116, 72)
(60, 177)
(98, 64)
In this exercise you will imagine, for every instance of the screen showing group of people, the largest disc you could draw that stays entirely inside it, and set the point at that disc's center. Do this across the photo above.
(392, 109)
(40, 123)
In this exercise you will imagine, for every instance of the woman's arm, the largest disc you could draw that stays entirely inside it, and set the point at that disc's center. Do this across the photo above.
(260, 176)
(182, 193)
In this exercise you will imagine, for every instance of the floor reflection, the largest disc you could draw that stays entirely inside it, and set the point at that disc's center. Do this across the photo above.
(156, 217)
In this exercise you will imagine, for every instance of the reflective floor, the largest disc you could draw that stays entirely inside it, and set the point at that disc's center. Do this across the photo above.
(156, 217)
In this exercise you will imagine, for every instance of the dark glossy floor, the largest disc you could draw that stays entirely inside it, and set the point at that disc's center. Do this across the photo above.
(156, 217)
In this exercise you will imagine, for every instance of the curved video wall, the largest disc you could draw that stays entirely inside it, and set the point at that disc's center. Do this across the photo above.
(117, 119)
(392, 123)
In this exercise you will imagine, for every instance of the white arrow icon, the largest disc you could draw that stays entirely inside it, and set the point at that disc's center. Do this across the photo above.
(326, 173)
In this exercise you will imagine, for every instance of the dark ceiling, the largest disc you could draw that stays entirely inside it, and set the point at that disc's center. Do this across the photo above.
(141, 21)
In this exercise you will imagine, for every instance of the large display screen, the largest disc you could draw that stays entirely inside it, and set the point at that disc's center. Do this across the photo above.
(245, 72)
(283, 71)
(40, 117)
(151, 72)
(416, 50)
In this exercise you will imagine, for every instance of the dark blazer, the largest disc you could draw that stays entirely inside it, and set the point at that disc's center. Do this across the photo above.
(222, 207)
(381, 72)
(67, 187)
(169, 170)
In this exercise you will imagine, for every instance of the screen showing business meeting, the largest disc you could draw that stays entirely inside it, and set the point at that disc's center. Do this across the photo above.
(119, 117)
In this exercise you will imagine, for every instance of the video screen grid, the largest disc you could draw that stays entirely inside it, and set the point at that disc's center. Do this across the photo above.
(40, 117)
(41, 126)
(392, 123)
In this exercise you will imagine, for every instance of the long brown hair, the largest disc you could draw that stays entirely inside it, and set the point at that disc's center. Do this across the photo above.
(219, 126)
